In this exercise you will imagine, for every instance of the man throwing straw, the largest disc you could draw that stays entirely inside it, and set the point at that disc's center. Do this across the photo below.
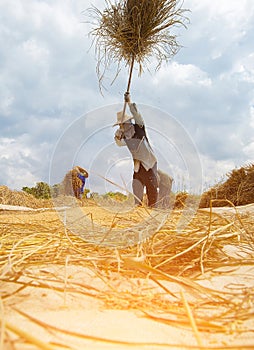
(133, 135)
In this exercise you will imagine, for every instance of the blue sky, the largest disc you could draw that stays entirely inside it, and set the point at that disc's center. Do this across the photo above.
(201, 102)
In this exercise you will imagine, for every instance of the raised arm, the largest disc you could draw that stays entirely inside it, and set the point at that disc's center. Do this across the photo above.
(82, 171)
(134, 111)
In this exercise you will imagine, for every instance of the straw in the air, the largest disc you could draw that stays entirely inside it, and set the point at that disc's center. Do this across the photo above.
(134, 31)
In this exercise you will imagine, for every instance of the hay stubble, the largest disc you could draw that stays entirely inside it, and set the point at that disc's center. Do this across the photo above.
(149, 277)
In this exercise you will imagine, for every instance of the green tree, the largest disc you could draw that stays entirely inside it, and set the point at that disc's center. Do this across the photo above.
(41, 190)
(118, 196)
(29, 190)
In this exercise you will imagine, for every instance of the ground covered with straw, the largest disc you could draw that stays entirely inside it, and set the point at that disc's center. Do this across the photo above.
(181, 288)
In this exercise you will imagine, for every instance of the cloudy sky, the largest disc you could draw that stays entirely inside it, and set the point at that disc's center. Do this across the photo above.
(199, 108)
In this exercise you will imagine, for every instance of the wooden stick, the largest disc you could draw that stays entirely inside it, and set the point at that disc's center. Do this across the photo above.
(128, 85)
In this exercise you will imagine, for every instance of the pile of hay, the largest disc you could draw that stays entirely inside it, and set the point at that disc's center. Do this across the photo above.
(238, 189)
(21, 198)
(66, 187)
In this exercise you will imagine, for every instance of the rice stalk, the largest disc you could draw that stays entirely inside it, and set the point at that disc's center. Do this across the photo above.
(86, 336)
(194, 245)
(11, 263)
(191, 318)
(204, 326)
(131, 31)
(188, 284)
(28, 337)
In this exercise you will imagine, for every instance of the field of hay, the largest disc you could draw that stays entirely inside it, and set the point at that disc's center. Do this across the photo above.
(181, 287)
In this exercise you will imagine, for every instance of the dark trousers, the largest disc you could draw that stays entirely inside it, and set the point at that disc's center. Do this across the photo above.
(149, 180)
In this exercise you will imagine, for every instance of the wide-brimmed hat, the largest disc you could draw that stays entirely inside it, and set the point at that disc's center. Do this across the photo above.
(122, 119)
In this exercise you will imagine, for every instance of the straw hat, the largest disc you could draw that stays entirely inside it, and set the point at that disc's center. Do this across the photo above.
(122, 119)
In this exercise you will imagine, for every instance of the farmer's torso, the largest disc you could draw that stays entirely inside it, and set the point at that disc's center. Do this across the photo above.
(140, 148)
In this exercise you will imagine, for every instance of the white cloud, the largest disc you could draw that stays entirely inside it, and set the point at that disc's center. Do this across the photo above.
(214, 171)
(6, 103)
(252, 114)
(49, 80)
(249, 151)
(35, 50)
(182, 74)
(245, 68)
(18, 163)
(233, 14)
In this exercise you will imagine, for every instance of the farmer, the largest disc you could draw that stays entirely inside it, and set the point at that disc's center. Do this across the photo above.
(133, 135)
(82, 174)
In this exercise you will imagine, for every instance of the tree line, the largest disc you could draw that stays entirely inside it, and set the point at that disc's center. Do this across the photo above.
(44, 191)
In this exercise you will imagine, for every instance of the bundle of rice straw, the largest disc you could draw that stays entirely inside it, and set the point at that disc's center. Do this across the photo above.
(71, 183)
(134, 31)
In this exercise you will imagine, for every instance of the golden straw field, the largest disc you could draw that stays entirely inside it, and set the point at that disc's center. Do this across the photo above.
(99, 273)
(187, 287)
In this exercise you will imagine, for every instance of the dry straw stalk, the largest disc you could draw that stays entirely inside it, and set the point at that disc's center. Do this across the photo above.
(135, 31)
